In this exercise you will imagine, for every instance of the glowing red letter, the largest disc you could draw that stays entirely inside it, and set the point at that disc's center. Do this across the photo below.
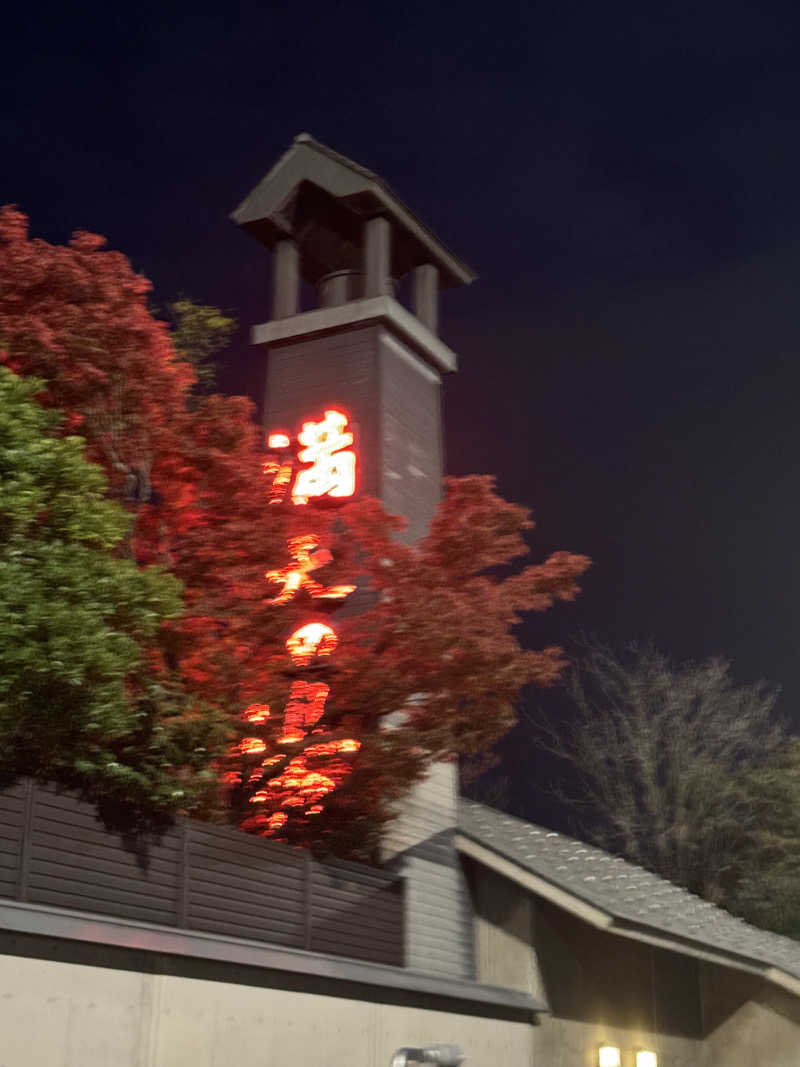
(326, 446)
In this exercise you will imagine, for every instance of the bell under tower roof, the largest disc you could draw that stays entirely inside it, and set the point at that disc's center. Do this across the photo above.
(321, 200)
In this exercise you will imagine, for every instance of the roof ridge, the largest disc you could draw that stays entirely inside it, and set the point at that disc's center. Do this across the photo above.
(312, 142)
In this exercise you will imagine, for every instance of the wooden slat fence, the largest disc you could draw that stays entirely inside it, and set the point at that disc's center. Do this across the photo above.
(55, 851)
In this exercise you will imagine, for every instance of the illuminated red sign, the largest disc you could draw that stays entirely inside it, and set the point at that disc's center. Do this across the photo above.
(307, 642)
(325, 466)
(327, 447)
(327, 452)
(307, 556)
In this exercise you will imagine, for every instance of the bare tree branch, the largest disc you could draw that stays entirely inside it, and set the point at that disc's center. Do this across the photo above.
(655, 749)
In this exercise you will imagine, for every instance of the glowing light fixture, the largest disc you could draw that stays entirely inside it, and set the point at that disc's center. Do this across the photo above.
(645, 1058)
(608, 1056)
(278, 440)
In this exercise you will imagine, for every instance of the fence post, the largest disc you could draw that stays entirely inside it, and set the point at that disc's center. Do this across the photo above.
(25, 841)
(183, 874)
(308, 886)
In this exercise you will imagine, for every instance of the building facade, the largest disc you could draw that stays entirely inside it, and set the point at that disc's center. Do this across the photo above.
(520, 946)
(343, 239)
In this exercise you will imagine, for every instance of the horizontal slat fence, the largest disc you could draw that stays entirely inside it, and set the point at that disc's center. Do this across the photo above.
(55, 851)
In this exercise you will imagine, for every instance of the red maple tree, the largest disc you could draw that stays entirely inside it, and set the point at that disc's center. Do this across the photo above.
(427, 669)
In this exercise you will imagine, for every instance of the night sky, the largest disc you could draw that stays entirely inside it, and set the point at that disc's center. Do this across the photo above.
(624, 178)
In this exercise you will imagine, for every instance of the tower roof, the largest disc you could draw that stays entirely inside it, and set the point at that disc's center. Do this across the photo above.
(321, 199)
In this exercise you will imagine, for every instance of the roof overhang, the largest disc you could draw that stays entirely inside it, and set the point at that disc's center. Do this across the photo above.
(275, 207)
(383, 309)
(601, 919)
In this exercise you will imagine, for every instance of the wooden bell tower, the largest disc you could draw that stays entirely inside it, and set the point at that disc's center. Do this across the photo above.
(339, 228)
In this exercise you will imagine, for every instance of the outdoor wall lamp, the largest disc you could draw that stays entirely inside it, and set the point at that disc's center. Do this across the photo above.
(645, 1058)
(441, 1055)
(609, 1056)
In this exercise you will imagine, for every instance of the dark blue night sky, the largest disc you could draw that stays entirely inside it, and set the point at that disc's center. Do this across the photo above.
(623, 177)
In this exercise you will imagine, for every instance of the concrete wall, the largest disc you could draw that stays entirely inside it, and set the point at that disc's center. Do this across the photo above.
(57, 1013)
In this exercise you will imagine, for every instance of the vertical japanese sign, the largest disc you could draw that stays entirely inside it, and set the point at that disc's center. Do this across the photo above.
(297, 773)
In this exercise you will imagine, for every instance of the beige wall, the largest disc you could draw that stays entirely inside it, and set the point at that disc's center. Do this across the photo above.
(600, 987)
(58, 1014)
(748, 1022)
(605, 988)
(503, 933)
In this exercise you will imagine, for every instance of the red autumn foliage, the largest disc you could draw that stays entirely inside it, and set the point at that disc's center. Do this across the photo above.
(428, 668)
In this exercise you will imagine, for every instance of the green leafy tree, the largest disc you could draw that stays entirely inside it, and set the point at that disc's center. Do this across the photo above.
(80, 703)
(765, 888)
(199, 332)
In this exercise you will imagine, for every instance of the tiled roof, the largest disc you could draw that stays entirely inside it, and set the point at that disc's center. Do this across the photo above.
(628, 894)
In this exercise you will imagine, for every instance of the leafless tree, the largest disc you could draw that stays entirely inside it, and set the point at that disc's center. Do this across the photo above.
(655, 751)
(478, 783)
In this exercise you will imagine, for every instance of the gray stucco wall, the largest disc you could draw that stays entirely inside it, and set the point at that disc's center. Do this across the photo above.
(605, 988)
(600, 987)
(748, 1022)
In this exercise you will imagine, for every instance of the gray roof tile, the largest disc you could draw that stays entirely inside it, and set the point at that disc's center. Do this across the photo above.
(622, 890)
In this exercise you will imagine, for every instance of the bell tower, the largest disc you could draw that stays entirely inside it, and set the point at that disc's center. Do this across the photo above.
(338, 231)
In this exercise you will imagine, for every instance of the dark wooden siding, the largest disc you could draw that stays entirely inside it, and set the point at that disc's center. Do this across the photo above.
(307, 376)
(12, 820)
(411, 436)
(359, 900)
(55, 851)
(243, 886)
(74, 862)
(392, 398)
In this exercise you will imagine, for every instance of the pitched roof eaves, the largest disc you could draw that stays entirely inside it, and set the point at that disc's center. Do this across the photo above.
(777, 958)
(451, 264)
